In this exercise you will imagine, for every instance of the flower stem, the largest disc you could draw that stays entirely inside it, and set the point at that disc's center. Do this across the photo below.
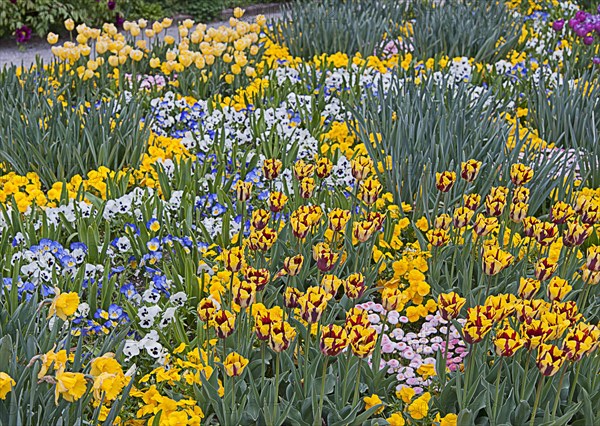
(557, 398)
(496, 402)
(318, 420)
(357, 388)
(538, 393)
(528, 355)
(306, 356)
(276, 398)
(574, 384)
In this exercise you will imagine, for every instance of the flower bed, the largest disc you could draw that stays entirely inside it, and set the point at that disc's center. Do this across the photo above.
(201, 228)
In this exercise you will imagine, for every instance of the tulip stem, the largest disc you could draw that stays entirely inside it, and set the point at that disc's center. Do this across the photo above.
(357, 388)
(443, 370)
(467, 374)
(306, 356)
(586, 291)
(276, 397)
(318, 420)
(525, 374)
(536, 403)
(574, 384)
(262, 364)
(557, 398)
(497, 391)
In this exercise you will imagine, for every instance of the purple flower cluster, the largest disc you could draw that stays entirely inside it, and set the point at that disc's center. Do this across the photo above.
(23, 34)
(583, 24)
(404, 352)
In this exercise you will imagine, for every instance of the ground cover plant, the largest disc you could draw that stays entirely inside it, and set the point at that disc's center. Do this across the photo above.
(211, 227)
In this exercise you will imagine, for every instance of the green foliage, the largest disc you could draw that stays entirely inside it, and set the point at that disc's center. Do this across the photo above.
(330, 26)
(496, 390)
(57, 140)
(26, 333)
(45, 15)
(201, 10)
(463, 28)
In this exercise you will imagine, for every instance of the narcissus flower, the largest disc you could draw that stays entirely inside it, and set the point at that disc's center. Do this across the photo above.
(507, 341)
(109, 385)
(520, 174)
(362, 340)
(373, 401)
(549, 359)
(235, 364)
(71, 386)
(6, 384)
(64, 304)
(470, 169)
(450, 304)
(445, 181)
(333, 340)
(495, 260)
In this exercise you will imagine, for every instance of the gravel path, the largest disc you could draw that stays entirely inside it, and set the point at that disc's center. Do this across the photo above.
(11, 54)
